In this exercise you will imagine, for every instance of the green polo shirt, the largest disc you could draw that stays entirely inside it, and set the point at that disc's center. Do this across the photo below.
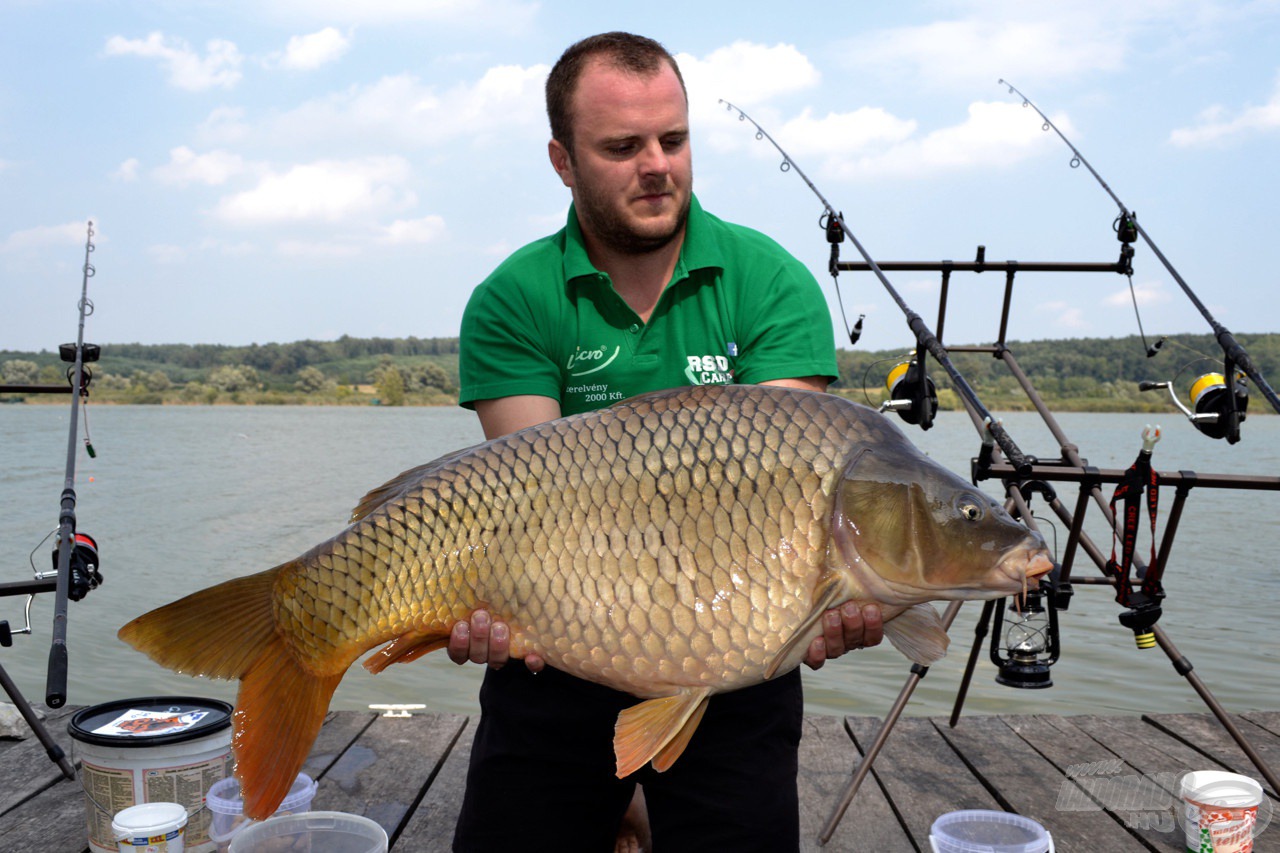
(738, 308)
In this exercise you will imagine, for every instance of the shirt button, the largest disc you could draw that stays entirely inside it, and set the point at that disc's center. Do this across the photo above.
(635, 327)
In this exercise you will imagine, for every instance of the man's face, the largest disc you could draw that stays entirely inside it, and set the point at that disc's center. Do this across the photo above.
(632, 169)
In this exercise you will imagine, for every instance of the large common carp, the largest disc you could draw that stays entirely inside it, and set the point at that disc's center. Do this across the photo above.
(679, 544)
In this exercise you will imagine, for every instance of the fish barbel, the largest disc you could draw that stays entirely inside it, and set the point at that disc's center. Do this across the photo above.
(679, 544)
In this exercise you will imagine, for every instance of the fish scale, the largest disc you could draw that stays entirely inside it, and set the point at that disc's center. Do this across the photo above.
(677, 545)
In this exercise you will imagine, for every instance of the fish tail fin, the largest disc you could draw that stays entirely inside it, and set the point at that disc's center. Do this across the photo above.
(268, 758)
(229, 631)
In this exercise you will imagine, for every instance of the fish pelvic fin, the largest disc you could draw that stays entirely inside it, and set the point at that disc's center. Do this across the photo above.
(831, 589)
(918, 633)
(657, 730)
(229, 631)
(409, 646)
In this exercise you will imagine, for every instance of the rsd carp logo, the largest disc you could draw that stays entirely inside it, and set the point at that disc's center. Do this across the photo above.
(708, 370)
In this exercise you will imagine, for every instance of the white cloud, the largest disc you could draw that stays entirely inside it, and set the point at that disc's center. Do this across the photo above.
(405, 110)
(44, 236)
(219, 67)
(408, 231)
(966, 54)
(223, 126)
(504, 15)
(745, 72)
(313, 249)
(1148, 293)
(164, 253)
(1064, 315)
(1215, 125)
(127, 171)
(309, 52)
(326, 191)
(187, 167)
(870, 143)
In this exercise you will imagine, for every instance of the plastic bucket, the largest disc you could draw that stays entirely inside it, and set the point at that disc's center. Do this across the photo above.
(227, 808)
(1220, 812)
(318, 832)
(159, 749)
(150, 828)
(982, 831)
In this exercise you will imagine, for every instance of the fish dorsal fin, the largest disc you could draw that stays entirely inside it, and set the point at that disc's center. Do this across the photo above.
(831, 590)
(657, 730)
(918, 633)
(398, 485)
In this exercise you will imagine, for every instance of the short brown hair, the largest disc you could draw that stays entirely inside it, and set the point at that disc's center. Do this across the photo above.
(624, 51)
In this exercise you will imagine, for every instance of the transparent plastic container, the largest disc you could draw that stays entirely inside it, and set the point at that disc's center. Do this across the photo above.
(983, 831)
(316, 832)
(227, 808)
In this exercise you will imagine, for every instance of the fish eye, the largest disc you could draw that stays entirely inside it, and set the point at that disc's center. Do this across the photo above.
(970, 508)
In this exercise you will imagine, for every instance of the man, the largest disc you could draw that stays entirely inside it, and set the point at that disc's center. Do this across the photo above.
(641, 290)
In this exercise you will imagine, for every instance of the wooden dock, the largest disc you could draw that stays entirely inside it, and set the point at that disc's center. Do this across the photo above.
(1097, 783)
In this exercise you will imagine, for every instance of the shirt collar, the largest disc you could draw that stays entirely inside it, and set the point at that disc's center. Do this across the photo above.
(700, 250)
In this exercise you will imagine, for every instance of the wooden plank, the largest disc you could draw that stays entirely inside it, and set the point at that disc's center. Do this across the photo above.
(828, 756)
(1026, 783)
(1269, 720)
(383, 773)
(431, 825)
(1205, 734)
(52, 820)
(921, 774)
(339, 731)
(1141, 803)
(25, 766)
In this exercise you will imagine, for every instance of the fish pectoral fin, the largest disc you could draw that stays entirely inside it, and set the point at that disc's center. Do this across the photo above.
(918, 633)
(409, 646)
(657, 730)
(829, 592)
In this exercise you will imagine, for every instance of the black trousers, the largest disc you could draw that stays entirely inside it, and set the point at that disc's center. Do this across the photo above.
(542, 770)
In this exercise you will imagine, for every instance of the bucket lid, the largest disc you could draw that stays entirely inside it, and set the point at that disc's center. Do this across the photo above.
(149, 819)
(149, 721)
(1218, 788)
(985, 831)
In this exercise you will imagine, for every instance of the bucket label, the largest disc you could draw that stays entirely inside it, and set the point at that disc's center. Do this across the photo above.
(139, 723)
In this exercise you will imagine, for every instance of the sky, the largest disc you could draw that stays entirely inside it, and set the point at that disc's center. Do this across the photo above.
(280, 170)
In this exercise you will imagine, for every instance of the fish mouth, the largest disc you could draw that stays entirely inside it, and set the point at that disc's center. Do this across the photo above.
(1023, 565)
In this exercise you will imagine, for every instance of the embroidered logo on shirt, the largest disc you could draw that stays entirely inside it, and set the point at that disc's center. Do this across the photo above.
(590, 360)
(708, 370)
(733, 349)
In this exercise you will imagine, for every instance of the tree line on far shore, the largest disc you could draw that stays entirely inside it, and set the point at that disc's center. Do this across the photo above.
(1090, 374)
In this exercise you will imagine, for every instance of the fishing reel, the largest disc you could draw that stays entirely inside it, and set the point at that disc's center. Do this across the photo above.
(912, 393)
(85, 575)
(1218, 403)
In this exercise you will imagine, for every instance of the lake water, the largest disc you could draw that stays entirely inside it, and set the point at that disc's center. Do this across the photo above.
(179, 498)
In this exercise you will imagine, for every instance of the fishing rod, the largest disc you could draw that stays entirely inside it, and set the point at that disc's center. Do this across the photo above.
(74, 570)
(924, 337)
(1235, 353)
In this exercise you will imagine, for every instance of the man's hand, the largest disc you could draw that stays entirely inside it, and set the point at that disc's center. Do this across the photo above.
(843, 629)
(481, 640)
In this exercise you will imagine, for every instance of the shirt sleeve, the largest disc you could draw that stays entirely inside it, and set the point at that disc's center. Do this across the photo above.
(788, 328)
(502, 346)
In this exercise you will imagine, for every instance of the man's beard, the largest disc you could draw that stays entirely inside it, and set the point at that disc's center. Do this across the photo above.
(612, 229)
